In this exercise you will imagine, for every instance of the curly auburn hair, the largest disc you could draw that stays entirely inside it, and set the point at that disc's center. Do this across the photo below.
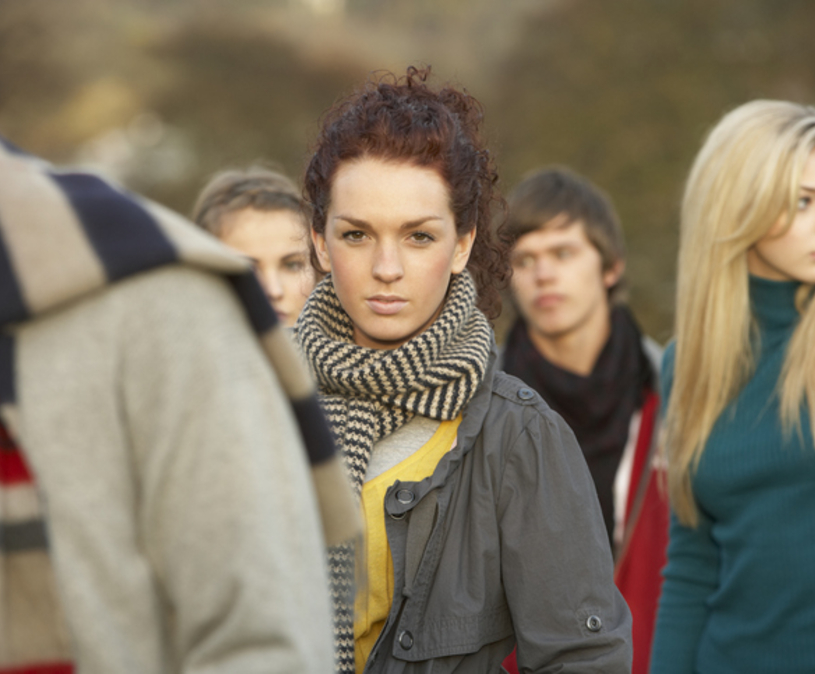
(403, 119)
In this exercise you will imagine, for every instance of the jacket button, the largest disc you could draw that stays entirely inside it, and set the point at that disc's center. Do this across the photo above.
(405, 496)
(406, 640)
(526, 394)
(594, 623)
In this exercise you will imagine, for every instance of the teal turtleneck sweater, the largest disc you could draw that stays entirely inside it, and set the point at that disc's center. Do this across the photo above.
(739, 590)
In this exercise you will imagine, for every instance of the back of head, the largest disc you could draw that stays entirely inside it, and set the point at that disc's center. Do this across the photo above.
(745, 177)
(256, 187)
(557, 195)
(405, 120)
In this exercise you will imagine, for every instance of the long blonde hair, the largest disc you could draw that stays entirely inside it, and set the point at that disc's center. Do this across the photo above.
(747, 174)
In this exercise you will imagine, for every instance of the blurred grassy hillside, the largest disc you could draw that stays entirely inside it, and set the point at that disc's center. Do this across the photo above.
(160, 94)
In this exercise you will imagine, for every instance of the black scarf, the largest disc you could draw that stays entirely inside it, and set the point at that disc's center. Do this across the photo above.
(597, 407)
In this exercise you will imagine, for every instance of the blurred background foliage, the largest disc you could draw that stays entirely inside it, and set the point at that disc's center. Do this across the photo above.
(162, 93)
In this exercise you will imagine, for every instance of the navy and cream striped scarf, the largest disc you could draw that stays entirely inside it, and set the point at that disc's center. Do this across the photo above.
(367, 394)
(64, 235)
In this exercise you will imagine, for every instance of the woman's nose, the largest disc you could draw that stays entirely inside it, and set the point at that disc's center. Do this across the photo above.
(271, 284)
(387, 264)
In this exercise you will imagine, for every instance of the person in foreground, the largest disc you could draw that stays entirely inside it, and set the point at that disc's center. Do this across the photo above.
(482, 527)
(261, 214)
(577, 344)
(156, 509)
(739, 381)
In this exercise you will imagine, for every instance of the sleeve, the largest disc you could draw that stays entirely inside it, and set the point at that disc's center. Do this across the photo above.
(690, 577)
(556, 561)
(226, 506)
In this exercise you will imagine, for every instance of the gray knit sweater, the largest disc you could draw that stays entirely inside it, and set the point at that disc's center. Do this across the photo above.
(182, 520)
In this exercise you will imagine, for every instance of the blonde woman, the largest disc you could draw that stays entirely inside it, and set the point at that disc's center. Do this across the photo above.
(739, 590)
(261, 214)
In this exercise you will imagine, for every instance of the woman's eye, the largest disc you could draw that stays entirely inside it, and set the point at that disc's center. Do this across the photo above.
(294, 265)
(422, 237)
(803, 203)
(354, 235)
(563, 253)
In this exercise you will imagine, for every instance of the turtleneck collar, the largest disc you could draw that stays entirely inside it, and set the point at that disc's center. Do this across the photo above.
(773, 304)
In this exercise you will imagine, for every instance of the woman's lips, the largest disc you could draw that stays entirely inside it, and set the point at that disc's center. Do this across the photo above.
(385, 306)
(283, 316)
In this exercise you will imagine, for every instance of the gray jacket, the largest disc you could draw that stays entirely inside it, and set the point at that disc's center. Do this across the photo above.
(503, 542)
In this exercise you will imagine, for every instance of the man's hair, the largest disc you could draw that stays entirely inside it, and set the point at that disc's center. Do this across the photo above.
(256, 187)
(557, 196)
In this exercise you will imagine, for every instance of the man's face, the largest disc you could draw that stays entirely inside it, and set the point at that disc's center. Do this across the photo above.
(558, 281)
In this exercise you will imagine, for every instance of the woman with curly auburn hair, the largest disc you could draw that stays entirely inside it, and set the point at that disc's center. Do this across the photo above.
(483, 528)
(739, 593)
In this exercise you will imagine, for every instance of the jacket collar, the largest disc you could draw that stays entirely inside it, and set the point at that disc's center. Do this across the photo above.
(476, 411)
(472, 422)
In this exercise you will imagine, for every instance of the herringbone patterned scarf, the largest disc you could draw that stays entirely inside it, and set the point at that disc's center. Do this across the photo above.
(369, 393)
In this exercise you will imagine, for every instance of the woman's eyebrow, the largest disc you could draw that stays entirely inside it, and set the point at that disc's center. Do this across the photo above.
(410, 224)
(356, 222)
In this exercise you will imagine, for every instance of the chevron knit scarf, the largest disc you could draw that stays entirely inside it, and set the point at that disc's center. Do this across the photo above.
(367, 394)
(64, 236)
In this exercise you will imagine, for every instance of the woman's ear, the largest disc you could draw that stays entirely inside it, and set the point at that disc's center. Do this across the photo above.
(321, 250)
(464, 246)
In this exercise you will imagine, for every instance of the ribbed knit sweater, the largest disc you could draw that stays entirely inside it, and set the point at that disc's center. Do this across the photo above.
(739, 590)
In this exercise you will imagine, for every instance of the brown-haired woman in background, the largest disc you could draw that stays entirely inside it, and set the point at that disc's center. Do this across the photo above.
(483, 528)
(260, 213)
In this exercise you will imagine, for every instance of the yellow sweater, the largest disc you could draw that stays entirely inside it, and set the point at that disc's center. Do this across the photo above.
(373, 600)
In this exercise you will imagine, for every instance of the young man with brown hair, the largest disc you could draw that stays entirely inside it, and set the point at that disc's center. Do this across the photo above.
(580, 348)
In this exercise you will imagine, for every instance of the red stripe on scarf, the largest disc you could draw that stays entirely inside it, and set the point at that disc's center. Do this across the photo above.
(13, 468)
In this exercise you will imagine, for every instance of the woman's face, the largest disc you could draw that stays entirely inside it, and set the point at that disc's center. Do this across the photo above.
(277, 242)
(391, 245)
(790, 255)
